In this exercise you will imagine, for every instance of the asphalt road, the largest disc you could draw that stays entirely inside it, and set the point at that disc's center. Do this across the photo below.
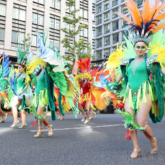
(73, 143)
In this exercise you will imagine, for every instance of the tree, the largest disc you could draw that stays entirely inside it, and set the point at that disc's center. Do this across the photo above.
(76, 48)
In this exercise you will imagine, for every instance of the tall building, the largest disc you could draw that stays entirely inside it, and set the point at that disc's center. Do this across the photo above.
(21, 17)
(109, 26)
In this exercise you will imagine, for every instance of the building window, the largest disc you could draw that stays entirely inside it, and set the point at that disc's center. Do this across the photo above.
(17, 37)
(114, 2)
(115, 25)
(106, 28)
(84, 13)
(93, 17)
(93, 34)
(99, 43)
(106, 16)
(99, 54)
(114, 48)
(99, 31)
(124, 33)
(37, 25)
(54, 23)
(123, 23)
(114, 14)
(2, 32)
(69, 27)
(107, 52)
(2, 9)
(106, 5)
(34, 40)
(106, 40)
(99, 19)
(115, 38)
(18, 24)
(84, 9)
(19, 13)
(84, 32)
(37, 19)
(123, 9)
(93, 52)
(93, 12)
(98, 9)
(55, 44)
(39, 1)
(55, 4)
(139, 3)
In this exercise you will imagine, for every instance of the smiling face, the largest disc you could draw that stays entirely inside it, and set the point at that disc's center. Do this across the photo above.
(140, 48)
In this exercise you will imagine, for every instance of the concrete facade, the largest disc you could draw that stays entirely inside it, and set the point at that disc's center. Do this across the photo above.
(27, 26)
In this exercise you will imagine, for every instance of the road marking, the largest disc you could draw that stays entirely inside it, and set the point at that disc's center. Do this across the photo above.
(87, 126)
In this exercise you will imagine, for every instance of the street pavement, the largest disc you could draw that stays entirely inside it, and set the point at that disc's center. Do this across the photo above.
(73, 143)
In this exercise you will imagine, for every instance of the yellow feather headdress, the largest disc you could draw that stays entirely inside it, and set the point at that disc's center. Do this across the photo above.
(34, 63)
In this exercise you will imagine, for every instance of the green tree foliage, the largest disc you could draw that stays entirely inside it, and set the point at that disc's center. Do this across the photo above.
(75, 48)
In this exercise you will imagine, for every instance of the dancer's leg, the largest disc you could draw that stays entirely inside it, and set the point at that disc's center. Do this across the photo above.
(142, 119)
(16, 102)
(45, 122)
(87, 105)
(134, 133)
(23, 118)
(83, 113)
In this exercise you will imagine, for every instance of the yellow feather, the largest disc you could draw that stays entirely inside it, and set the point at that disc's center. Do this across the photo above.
(158, 49)
(33, 64)
(114, 59)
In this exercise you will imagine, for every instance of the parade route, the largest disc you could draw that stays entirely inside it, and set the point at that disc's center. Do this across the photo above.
(73, 143)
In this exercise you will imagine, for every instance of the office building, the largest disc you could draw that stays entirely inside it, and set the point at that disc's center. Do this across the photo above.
(21, 17)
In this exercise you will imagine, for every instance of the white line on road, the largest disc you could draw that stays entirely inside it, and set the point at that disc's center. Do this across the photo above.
(87, 126)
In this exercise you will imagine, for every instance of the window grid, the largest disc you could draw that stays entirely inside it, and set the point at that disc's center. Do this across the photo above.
(114, 2)
(99, 42)
(93, 12)
(84, 10)
(106, 28)
(55, 5)
(99, 31)
(99, 54)
(106, 17)
(69, 9)
(39, 3)
(54, 22)
(99, 19)
(2, 21)
(106, 5)
(37, 25)
(98, 9)
(18, 24)
(114, 14)
(107, 41)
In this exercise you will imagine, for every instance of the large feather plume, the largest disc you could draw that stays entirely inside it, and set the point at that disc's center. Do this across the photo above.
(84, 64)
(147, 22)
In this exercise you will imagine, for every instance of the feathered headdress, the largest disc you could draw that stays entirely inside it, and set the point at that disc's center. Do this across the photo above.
(84, 64)
(145, 23)
(22, 53)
